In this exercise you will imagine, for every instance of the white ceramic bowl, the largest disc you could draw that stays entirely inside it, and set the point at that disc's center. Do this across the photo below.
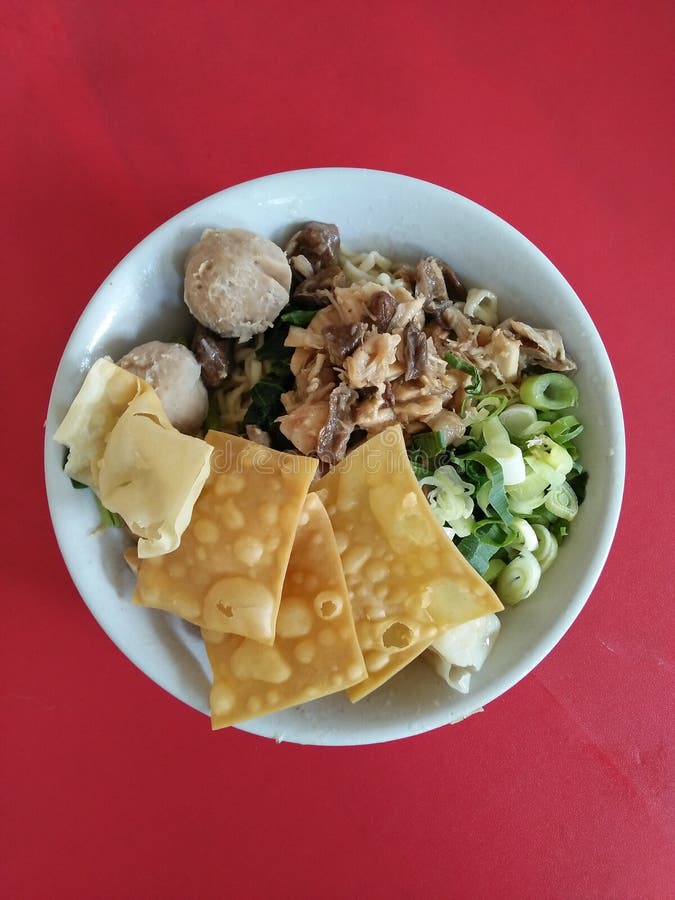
(404, 218)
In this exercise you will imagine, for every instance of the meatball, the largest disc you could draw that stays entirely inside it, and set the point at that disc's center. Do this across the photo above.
(175, 374)
(236, 282)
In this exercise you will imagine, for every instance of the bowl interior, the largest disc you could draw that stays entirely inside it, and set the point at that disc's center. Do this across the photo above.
(403, 218)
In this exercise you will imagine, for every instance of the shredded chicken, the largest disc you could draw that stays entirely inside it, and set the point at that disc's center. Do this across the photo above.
(374, 362)
(374, 352)
(303, 425)
(540, 346)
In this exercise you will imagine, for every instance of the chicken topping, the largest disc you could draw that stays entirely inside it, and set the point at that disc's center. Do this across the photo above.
(374, 362)
(374, 352)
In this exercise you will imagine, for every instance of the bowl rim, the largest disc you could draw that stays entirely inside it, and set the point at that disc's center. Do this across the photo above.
(556, 630)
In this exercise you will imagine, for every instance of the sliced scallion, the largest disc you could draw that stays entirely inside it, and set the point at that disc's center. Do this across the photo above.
(564, 429)
(477, 553)
(429, 443)
(518, 579)
(499, 446)
(496, 495)
(562, 502)
(547, 547)
(526, 537)
(108, 519)
(517, 417)
(494, 568)
(551, 390)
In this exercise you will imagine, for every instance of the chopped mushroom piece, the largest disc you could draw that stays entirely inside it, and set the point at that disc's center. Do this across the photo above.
(214, 354)
(318, 243)
(380, 310)
(454, 284)
(438, 284)
(342, 340)
(318, 290)
(333, 438)
(414, 352)
(430, 286)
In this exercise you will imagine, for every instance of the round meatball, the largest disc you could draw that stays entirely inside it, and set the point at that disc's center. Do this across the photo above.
(175, 374)
(236, 282)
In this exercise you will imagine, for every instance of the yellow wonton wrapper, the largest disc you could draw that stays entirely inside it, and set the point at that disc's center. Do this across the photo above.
(123, 446)
(151, 475)
(315, 651)
(407, 581)
(228, 572)
(105, 394)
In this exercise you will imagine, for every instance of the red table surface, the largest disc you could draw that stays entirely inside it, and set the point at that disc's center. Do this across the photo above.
(558, 117)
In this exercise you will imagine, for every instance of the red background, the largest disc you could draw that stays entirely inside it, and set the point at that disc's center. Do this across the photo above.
(557, 117)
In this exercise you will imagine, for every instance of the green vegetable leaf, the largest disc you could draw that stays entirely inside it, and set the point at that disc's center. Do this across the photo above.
(461, 365)
(108, 519)
(496, 496)
(300, 317)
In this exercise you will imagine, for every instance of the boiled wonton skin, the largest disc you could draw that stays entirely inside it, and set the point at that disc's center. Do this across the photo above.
(106, 392)
(152, 475)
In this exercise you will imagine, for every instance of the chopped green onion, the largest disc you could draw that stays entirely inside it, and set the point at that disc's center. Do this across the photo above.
(487, 405)
(552, 390)
(518, 579)
(547, 547)
(495, 533)
(564, 429)
(430, 443)
(450, 499)
(542, 451)
(534, 430)
(498, 445)
(527, 538)
(496, 495)
(577, 481)
(528, 495)
(461, 365)
(517, 417)
(477, 553)
(418, 463)
(495, 566)
(562, 502)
